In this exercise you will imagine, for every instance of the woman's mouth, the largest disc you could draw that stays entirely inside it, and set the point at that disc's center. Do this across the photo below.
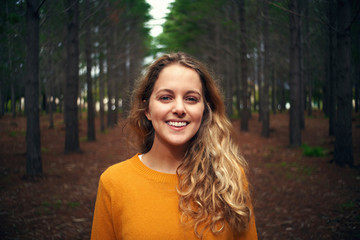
(177, 124)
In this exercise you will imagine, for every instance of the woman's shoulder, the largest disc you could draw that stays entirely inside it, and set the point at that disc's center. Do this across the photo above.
(118, 170)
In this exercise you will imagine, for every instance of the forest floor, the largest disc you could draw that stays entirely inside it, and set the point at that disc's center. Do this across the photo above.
(295, 196)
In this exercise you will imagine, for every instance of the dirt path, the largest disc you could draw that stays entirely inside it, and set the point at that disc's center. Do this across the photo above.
(295, 197)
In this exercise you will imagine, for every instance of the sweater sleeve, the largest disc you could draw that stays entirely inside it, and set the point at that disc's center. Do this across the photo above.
(250, 233)
(103, 228)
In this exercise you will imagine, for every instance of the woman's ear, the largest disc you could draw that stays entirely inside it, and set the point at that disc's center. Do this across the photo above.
(148, 116)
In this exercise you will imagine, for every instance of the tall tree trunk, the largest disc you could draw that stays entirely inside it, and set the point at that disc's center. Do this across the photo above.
(332, 67)
(33, 148)
(343, 152)
(10, 61)
(13, 98)
(282, 96)
(357, 69)
(101, 91)
(295, 107)
(260, 59)
(301, 72)
(306, 59)
(357, 87)
(256, 78)
(90, 100)
(357, 90)
(265, 96)
(2, 109)
(244, 68)
(125, 89)
(309, 107)
(116, 84)
(72, 143)
(50, 81)
(228, 81)
(51, 97)
(273, 92)
(110, 78)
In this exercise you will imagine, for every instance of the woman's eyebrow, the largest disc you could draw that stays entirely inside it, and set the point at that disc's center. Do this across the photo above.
(193, 91)
(164, 90)
(172, 92)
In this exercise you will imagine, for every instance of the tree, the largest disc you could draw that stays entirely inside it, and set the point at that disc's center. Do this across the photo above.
(88, 51)
(33, 149)
(101, 91)
(72, 143)
(244, 68)
(295, 108)
(306, 59)
(343, 151)
(265, 92)
(332, 67)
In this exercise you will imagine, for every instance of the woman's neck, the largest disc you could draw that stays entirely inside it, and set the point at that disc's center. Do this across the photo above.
(164, 159)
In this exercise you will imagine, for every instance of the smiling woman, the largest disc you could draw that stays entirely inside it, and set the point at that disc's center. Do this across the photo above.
(175, 110)
(188, 181)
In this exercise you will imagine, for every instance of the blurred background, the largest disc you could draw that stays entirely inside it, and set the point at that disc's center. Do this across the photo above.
(289, 72)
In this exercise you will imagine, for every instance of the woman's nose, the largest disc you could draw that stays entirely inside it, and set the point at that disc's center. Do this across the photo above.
(179, 107)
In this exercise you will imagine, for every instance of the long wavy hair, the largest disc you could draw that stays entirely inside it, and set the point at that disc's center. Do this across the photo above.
(212, 187)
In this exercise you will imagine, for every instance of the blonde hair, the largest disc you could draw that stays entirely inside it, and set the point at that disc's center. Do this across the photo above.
(212, 186)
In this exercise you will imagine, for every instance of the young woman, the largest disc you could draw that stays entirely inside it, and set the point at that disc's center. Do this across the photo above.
(188, 181)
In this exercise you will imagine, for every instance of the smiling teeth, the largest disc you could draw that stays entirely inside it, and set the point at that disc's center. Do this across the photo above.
(177, 124)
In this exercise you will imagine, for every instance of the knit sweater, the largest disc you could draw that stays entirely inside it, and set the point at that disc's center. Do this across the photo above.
(136, 202)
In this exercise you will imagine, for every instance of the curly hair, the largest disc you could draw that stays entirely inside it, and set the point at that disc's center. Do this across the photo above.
(212, 187)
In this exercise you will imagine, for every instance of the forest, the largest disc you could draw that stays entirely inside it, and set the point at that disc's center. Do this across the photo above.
(68, 68)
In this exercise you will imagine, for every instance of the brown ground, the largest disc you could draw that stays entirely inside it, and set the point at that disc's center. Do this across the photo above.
(295, 197)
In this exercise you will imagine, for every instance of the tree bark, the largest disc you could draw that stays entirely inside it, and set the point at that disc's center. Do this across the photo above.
(282, 96)
(332, 67)
(101, 91)
(33, 148)
(260, 58)
(295, 107)
(72, 143)
(357, 87)
(265, 96)
(356, 68)
(2, 109)
(306, 58)
(273, 92)
(343, 152)
(90, 100)
(49, 85)
(301, 72)
(13, 98)
(244, 68)
(110, 78)
(51, 97)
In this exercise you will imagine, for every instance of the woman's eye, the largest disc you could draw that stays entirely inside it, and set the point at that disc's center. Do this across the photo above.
(192, 99)
(165, 98)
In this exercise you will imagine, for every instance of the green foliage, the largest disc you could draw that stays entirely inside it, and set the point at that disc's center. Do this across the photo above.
(292, 170)
(349, 205)
(14, 133)
(83, 139)
(73, 204)
(47, 207)
(313, 151)
(190, 24)
(44, 150)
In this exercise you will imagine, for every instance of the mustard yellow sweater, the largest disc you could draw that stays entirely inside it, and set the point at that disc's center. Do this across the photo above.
(136, 202)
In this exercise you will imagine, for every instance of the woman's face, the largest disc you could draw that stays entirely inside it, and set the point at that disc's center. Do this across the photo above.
(176, 105)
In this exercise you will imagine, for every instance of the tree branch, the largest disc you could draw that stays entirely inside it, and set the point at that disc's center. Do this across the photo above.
(300, 15)
(38, 9)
